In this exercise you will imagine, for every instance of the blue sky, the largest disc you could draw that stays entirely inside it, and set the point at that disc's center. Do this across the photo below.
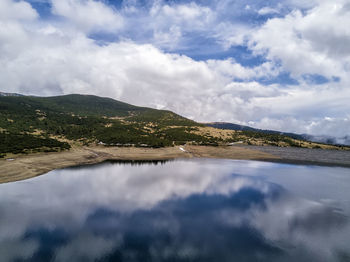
(271, 64)
(198, 44)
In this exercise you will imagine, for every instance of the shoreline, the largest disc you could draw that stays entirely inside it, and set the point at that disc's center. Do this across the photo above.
(28, 166)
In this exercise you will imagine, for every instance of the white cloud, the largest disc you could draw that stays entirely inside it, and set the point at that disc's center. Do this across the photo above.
(267, 10)
(49, 58)
(314, 43)
(305, 109)
(231, 68)
(168, 38)
(88, 15)
(334, 127)
(170, 22)
(118, 196)
(190, 14)
(13, 19)
(138, 74)
(10, 10)
(228, 34)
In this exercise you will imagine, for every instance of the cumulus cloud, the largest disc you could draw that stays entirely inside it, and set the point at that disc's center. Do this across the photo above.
(267, 10)
(311, 43)
(231, 68)
(10, 10)
(49, 57)
(88, 15)
(192, 13)
(170, 23)
(138, 74)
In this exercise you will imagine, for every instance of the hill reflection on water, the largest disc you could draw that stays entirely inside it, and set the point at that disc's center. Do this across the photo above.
(188, 210)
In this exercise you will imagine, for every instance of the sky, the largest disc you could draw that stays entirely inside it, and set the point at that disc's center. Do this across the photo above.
(282, 65)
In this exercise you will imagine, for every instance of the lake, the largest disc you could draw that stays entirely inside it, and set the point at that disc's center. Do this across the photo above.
(183, 210)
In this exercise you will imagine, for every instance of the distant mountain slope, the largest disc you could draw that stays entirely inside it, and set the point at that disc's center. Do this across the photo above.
(86, 119)
(231, 126)
(317, 139)
(82, 106)
(85, 105)
(345, 140)
(30, 124)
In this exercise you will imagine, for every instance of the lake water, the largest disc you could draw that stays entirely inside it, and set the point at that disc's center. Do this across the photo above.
(184, 210)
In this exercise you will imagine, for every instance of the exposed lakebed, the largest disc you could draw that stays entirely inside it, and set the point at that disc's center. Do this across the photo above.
(183, 210)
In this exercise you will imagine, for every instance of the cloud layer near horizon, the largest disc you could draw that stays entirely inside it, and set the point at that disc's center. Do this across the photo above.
(136, 53)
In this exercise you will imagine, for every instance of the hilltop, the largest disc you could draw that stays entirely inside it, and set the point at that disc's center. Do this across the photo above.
(30, 124)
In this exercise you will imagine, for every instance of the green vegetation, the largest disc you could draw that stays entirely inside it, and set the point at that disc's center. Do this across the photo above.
(162, 118)
(127, 135)
(24, 143)
(87, 119)
(236, 127)
(268, 138)
(182, 135)
(32, 124)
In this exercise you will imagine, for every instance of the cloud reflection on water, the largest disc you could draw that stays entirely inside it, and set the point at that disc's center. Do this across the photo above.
(198, 210)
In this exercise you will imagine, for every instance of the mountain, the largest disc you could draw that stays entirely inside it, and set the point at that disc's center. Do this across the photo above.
(317, 139)
(26, 122)
(30, 124)
(231, 126)
(345, 140)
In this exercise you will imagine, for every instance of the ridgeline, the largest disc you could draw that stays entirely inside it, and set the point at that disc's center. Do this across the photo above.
(31, 124)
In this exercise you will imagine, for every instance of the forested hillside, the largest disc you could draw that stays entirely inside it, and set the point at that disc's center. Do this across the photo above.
(31, 124)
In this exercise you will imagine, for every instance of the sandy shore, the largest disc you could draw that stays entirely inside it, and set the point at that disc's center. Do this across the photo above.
(27, 166)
